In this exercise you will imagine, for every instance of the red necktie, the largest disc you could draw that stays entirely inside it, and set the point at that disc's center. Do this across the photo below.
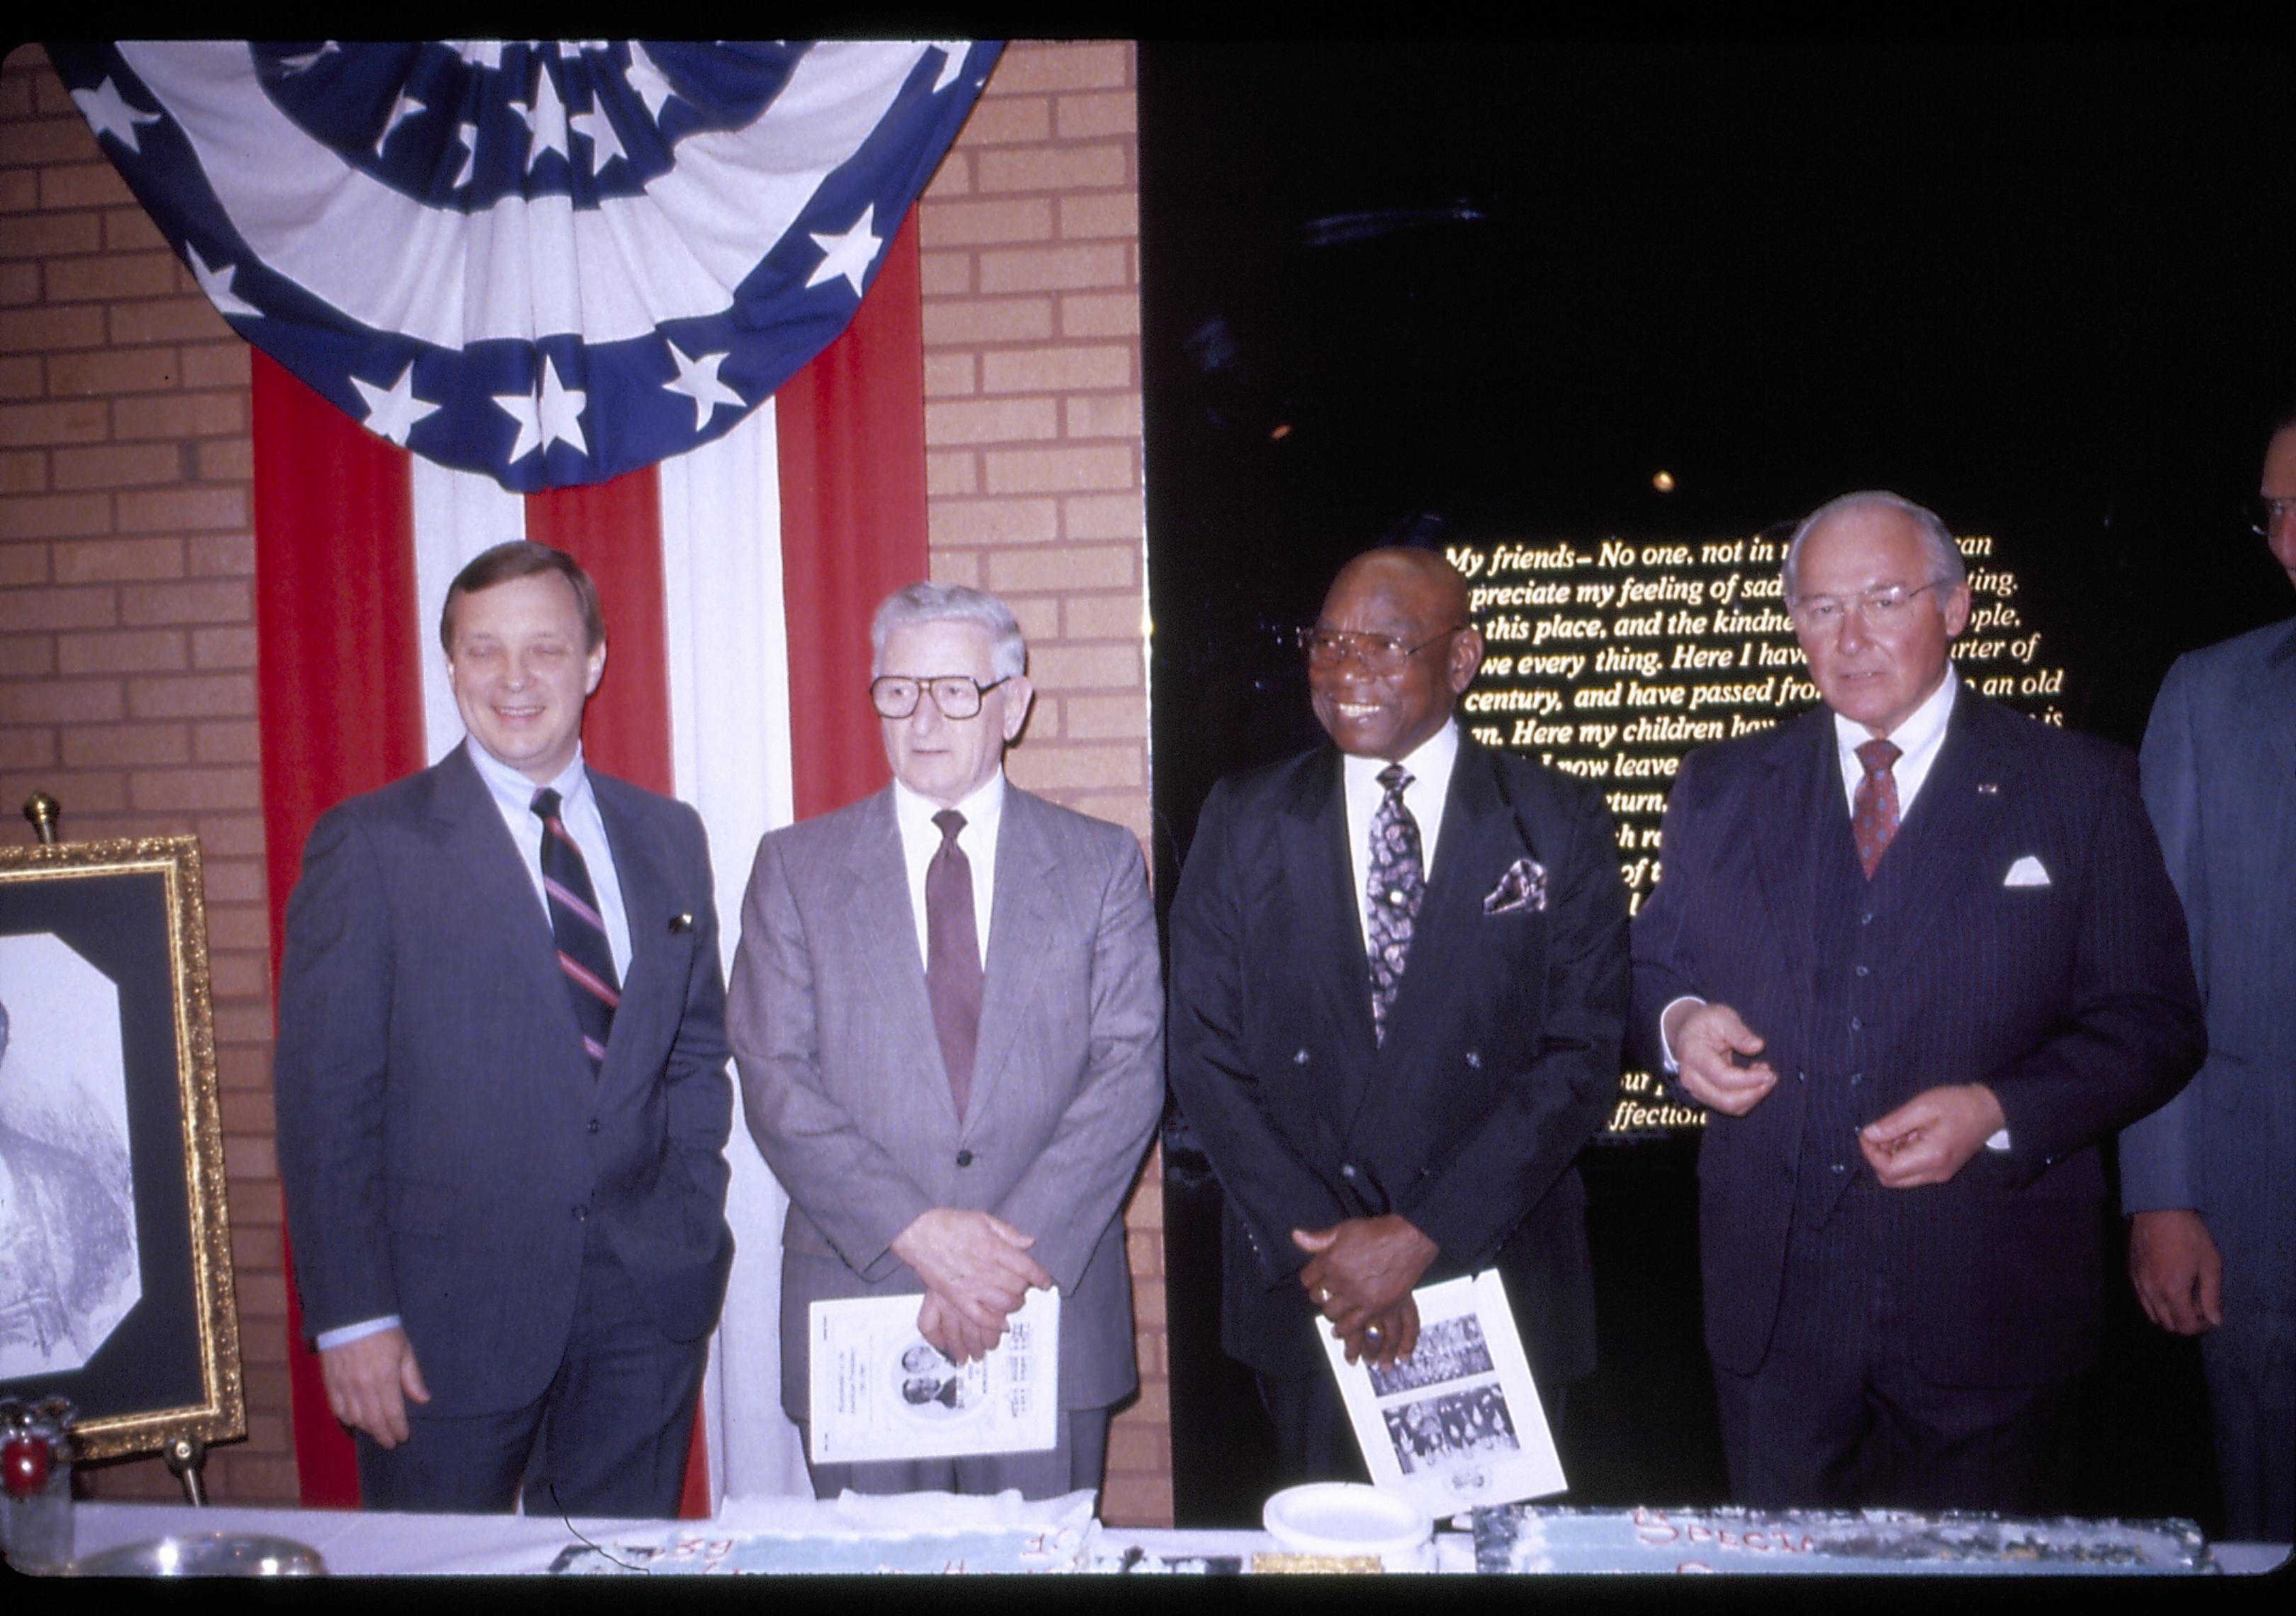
(1874, 812)
(953, 955)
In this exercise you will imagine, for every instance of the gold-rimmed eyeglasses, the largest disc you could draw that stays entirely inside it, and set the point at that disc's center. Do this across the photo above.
(1877, 608)
(1378, 653)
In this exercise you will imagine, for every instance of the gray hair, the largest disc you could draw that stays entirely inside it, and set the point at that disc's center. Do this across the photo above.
(1945, 566)
(931, 603)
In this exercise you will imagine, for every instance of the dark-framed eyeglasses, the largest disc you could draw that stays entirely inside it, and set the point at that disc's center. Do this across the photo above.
(2264, 514)
(895, 695)
(1378, 653)
(1881, 607)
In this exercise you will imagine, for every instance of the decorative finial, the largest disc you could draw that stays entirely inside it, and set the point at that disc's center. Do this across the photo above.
(41, 809)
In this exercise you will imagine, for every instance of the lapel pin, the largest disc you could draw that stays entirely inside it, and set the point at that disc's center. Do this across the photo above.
(1986, 788)
(680, 922)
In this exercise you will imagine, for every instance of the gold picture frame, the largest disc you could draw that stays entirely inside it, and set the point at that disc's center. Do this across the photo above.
(82, 925)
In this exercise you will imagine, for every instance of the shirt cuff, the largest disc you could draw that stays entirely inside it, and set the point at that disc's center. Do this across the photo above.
(327, 1341)
(1999, 1141)
(1665, 1045)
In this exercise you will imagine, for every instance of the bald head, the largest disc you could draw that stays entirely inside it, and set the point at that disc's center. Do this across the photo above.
(1420, 573)
(1402, 648)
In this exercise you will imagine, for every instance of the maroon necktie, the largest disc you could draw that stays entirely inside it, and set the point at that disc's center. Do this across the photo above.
(1873, 811)
(953, 955)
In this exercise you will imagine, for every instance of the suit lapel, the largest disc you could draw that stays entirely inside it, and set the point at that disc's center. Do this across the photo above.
(2275, 712)
(646, 906)
(1021, 921)
(476, 845)
(1802, 769)
(1311, 840)
(1946, 845)
(880, 933)
(1477, 841)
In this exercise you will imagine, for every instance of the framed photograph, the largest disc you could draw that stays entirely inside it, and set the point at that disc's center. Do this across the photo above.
(1458, 1424)
(115, 1246)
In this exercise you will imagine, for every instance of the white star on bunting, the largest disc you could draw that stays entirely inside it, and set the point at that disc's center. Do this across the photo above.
(546, 117)
(647, 80)
(605, 145)
(554, 417)
(848, 255)
(395, 411)
(104, 108)
(216, 283)
(697, 379)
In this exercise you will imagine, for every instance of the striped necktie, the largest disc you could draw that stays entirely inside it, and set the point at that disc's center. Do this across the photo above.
(583, 954)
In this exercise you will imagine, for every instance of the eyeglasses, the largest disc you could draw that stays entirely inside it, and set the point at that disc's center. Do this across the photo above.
(1379, 652)
(2264, 514)
(1881, 607)
(895, 696)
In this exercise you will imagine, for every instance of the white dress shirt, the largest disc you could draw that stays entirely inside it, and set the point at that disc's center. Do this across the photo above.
(984, 812)
(1430, 767)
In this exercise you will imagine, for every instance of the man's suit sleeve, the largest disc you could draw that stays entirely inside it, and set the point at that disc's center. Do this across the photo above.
(2133, 1034)
(1067, 1195)
(1663, 968)
(697, 1093)
(1211, 1067)
(1566, 1085)
(2156, 1152)
(855, 1192)
(335, 984)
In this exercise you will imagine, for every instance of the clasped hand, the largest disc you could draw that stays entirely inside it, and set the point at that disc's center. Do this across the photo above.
(1932, 1136)
(1703, 1038)
(1360, 1275)
(977, 1271)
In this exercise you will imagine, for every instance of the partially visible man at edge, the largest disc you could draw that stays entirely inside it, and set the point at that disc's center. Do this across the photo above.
(2210, 1179)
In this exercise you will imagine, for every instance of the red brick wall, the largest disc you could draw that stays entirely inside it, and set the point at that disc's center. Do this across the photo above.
(126, 630)
(127, 641)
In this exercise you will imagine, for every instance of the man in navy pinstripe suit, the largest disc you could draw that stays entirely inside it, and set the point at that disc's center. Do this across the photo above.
(1918, 954)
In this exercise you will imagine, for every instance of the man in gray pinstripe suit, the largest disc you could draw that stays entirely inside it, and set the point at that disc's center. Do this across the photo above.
(1918, 954)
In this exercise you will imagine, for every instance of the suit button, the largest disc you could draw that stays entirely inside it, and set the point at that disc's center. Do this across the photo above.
(581, 1214)
(1856, 1077)
(1475, 1059)
(1840, 1168)
(593, 1125)
(1857, 1023)
(1347, 1170)
(1301, 1059)
(1867, 919)
(965, 1158)
(1861, 970)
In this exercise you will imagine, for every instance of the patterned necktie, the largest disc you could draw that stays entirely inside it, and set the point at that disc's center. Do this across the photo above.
(1874, 812)
(1394, 887)
(583, 952)
(953, 955)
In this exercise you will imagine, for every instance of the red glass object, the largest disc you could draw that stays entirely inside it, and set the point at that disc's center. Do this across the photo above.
(24, 1466)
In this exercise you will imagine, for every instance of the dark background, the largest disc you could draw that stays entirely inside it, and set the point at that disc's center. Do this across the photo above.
(1405, 294)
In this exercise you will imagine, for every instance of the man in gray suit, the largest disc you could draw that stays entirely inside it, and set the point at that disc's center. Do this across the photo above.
(501, 1089)
(2211, 1177)
(948, 1019)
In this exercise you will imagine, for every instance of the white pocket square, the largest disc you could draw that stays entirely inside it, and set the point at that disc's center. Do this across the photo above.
(1522, 887)
(2027, 872)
